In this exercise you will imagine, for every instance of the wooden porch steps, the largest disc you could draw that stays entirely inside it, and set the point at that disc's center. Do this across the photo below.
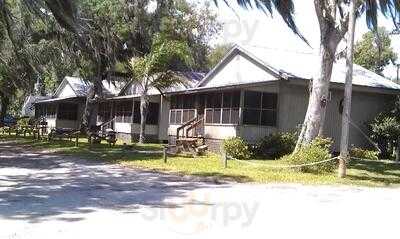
(195, 145)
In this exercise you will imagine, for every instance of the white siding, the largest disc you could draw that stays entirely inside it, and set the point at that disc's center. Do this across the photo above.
(66, 92)
(239, 70)
(220, 131)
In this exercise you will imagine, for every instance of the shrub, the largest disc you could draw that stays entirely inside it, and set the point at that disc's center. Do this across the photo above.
(364, 153)
(385, 130)
(237, 148)
(23, 121)
(276, 145)
(318, 150)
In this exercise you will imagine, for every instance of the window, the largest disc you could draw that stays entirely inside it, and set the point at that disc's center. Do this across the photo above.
(223, 108)
(104, 113)
(67, 111)
(182, 108)
(152, 115)
(123, 111)
(260, 108)
(51, 111)
(40, 111)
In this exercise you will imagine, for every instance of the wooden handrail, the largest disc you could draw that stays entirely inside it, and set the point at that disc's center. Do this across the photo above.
(194, 125)
(106, 123)
(184, 125)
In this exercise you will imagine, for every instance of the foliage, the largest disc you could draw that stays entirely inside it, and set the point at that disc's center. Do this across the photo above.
(318, 150)
(364, 153)
(380, 173)
(277, 145)
(237, 148)
(374, 53)
(385, 130)
(156, 68)
(23, 121)
(217, 54)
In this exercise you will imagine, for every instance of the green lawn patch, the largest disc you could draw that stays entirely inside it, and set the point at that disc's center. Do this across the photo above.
(362, 173)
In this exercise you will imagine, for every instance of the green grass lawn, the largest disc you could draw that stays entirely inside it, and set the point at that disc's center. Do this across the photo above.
(363, 173)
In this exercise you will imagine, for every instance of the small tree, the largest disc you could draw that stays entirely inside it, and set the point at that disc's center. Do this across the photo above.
(374, 53)
(157, 70)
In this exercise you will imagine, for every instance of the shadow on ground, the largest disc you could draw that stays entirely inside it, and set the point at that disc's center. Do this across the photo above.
(382, 172)
(35, 186)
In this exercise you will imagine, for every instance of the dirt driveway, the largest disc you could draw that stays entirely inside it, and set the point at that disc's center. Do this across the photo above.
(50, 196)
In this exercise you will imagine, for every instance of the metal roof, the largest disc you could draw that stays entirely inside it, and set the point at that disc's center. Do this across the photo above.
(285, 64)
(305, 65)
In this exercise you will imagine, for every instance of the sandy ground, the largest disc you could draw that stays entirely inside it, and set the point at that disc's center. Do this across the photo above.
(49, 196)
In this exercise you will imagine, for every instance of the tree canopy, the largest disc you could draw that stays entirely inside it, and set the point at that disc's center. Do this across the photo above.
(375, 55)
(93, 39)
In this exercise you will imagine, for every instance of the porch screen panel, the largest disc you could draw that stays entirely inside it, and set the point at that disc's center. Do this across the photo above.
(260, 108)
(123, 111)
(104, 114)
(182, 109)
(67, 111)
(223, 108)
(152, 115)
(40, 111)
(51, 111)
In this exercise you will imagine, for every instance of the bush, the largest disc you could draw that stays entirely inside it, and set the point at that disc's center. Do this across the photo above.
(318, 150)
(237, 148)
(23, 121)
(276, 145)
(364, 153)
(385, 130)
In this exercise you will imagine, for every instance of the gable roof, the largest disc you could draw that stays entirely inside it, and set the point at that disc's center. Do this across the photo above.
(284, 64)
(28, 106)
(81, 87)
(191, 79)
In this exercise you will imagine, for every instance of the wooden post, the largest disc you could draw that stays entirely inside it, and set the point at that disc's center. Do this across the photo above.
(224, 159)
(165, 154)
(77, 140)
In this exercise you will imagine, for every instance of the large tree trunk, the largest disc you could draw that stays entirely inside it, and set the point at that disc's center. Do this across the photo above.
(315, 116)
(89, 115)
(330, 37)
(344, 142)
(5, 102)
(144, 105)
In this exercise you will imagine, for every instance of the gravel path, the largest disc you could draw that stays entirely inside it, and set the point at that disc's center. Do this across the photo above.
(49, 196)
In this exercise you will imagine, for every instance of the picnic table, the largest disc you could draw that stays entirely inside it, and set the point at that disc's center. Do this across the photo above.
(96, 136)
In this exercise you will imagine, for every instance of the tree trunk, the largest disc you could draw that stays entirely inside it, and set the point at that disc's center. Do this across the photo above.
(331, 35)
(344, 142)
(88, 118)
(144, 105)
(315, 116)
(5, 102)
(398, 150)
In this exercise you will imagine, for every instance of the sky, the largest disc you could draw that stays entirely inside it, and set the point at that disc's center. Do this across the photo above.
(253, 27)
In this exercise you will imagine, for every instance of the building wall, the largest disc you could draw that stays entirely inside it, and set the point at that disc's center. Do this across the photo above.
(239, 70)
(365, 107)
(291, 109)
(129, 131)
(67, 91)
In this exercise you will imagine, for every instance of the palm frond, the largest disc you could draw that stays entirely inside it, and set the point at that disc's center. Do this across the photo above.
(285, 8)
(388, 8)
